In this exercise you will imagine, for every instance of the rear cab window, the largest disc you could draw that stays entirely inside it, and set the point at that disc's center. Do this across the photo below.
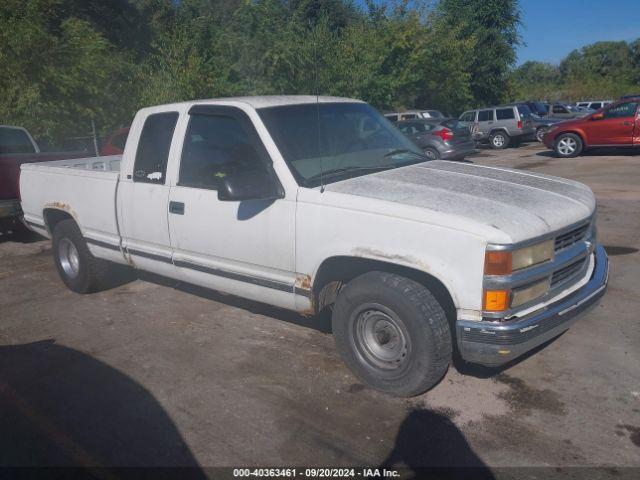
(153, 148)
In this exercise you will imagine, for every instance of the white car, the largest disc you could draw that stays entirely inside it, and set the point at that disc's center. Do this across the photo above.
(309, 205)
(594, 104)
(413, 114)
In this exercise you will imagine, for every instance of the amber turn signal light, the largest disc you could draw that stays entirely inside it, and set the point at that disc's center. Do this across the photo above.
(498, 263)
(495, 300)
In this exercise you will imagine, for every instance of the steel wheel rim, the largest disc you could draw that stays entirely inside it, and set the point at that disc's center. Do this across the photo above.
(498, 140)
(69, 258)
(567, 146)
(380, 338)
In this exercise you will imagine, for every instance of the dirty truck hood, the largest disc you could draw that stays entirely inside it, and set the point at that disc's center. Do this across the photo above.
(520, 205)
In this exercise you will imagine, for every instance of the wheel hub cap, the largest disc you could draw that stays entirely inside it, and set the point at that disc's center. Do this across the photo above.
(567, 146)
(69, 258)
(381, 339)
(498, 140)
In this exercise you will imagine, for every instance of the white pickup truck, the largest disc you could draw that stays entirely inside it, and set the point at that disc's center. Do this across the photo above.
(310, 203)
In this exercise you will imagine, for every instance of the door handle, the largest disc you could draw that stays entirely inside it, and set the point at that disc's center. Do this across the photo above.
(176, 207)
(626, 124)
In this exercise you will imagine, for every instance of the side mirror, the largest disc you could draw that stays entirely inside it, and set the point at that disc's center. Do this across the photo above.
(597, 116)
(249, 186)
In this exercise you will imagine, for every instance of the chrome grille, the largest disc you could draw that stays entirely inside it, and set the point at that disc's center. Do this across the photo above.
(565, 273)
(567, 239)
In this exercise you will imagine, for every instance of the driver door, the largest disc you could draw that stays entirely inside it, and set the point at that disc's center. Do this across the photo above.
(616, 127)
(240, 247)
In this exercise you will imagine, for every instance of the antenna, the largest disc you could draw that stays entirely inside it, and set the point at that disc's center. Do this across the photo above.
(315, 87)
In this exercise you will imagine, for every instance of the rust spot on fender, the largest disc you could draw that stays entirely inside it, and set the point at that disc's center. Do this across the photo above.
(407, 260)
(303, 282)
(302, 286)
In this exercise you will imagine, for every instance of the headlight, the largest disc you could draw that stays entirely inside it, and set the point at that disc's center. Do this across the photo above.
(522, 295)
(504, 262)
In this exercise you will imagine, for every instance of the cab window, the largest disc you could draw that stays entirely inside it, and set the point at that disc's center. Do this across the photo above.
(468, 117)
(153, 148)
(622, 110)
(485, 115)
(505, 114)
(217, 146)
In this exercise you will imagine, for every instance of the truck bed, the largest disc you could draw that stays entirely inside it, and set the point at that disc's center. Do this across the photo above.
(84, 188)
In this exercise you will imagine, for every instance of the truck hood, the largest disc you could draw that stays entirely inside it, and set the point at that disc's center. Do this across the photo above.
(512, 205)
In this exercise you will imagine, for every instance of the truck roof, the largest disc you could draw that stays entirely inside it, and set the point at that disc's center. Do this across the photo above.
(264, 101)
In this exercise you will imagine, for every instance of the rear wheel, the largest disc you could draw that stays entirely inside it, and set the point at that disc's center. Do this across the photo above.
(78, 268)
(499, 140)
(431, 153)
(568, 145)
(540, 133)
(392, 333)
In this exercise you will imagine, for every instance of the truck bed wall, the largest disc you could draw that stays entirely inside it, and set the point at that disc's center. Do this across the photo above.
(10, 168)
(84, 188)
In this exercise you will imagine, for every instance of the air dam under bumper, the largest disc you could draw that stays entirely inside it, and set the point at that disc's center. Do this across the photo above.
(496, 343)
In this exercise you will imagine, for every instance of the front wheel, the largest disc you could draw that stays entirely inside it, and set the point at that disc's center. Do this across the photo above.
(499, 140)
(392, 333)
(568, 145)
(540, 133)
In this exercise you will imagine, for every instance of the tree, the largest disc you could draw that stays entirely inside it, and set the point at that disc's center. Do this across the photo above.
(493, 24)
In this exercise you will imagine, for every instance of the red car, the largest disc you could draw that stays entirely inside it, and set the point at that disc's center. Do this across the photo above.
(114, 145)
(616, 125)
(17, 147)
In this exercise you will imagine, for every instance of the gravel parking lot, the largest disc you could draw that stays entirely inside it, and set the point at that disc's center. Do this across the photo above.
(158, 373)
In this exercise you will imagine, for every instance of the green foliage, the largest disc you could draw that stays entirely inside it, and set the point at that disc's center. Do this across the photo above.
(64, 63)
(603, 70)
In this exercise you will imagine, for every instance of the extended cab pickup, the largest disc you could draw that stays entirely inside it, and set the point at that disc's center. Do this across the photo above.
(308, 204)
(17, 146)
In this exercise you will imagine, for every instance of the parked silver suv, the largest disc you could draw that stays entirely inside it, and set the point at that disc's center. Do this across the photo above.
(501, 125)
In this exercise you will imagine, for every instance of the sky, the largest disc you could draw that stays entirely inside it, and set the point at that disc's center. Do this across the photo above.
(553, 28)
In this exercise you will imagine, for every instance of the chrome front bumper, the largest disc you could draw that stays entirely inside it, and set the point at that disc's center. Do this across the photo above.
(496, 343)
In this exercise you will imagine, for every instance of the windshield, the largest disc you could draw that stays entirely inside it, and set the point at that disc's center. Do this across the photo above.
(540, 108)
(524, 111)
(336, 141)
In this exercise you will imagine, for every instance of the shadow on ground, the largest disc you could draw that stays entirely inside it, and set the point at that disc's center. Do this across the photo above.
(595, 152)
(320, 322)
(428, 441)
(18, 234)
(61, 407)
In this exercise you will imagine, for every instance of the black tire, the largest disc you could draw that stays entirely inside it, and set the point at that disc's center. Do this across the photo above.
(432, 153)
(540, 133)
(86, 275)
(402, 321)
(499, 140)
(568, 145)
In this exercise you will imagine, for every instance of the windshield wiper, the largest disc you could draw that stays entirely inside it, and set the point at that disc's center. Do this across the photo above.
(353, 168)
(399, 151)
